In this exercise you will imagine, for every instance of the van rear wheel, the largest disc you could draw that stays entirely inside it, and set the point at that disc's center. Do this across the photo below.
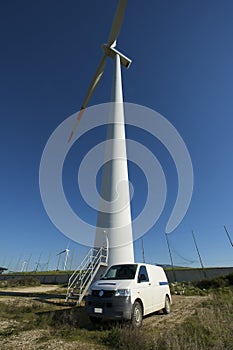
(167, 306)
(136, 319)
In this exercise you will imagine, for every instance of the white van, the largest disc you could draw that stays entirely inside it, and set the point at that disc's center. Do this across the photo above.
(129, 291)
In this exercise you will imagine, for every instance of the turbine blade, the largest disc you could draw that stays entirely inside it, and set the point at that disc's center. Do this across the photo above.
(98, 75)
(62, 252)
(117, 22)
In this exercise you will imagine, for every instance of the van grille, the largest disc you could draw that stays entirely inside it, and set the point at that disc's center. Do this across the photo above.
(106, 293)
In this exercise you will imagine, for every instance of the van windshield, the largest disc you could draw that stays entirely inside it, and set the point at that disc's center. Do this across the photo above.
(121, 272)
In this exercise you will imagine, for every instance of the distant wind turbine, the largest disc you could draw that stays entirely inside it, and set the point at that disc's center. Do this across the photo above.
(66, 251)
(23, 265)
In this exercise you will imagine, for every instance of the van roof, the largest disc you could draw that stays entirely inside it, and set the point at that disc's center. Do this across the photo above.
(139, 264)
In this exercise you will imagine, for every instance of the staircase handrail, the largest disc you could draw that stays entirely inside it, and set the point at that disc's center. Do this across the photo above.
(87, 270)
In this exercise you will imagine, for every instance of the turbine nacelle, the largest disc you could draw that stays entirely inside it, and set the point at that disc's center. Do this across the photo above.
(112, 52)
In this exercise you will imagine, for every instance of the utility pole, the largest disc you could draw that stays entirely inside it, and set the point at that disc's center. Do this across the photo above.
(18, 263)
(229, 237)
(169, 249)
(38, 263)
(47, 265)
(199, 255)
(28, 262)
(58, 262)
(143, 252)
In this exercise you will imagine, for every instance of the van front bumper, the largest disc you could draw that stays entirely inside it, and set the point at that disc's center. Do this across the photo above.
(109, 308)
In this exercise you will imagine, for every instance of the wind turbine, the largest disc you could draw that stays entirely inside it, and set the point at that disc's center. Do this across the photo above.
(114, 224)
(66, 251)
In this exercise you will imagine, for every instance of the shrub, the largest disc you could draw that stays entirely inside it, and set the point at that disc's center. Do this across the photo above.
(230, 279)
(22, 282)
(127, 338)
(217, 282)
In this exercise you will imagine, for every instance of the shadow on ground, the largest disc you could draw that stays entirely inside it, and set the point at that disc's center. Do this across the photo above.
(63, 315)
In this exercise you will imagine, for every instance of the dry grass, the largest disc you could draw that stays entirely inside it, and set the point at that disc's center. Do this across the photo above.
(210, 327)
(37, 323)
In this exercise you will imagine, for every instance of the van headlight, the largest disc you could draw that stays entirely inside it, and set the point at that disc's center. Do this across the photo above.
(122, 293)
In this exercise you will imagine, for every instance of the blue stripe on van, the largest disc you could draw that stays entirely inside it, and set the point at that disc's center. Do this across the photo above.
(163, 283)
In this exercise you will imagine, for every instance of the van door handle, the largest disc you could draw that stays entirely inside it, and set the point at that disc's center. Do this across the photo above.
(149, 284)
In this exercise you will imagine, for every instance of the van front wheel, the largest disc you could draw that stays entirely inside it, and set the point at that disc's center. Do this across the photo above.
(136, 319)
(167, 306)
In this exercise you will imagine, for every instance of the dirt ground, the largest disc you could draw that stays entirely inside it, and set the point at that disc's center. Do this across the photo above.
(182, 307)
(39, 339)
(38, 289)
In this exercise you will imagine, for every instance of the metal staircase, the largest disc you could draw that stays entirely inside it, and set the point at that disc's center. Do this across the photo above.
(81, 279)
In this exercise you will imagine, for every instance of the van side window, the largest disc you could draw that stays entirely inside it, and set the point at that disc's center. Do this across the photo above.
(143, 275)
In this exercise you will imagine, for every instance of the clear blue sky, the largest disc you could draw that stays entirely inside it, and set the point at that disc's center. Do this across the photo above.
(182, 54)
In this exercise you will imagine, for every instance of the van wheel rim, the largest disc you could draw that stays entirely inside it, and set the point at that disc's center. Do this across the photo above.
(137, 315)
(167, 305)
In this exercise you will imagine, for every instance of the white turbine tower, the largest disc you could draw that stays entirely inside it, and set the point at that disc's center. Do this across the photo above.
(114, 227)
